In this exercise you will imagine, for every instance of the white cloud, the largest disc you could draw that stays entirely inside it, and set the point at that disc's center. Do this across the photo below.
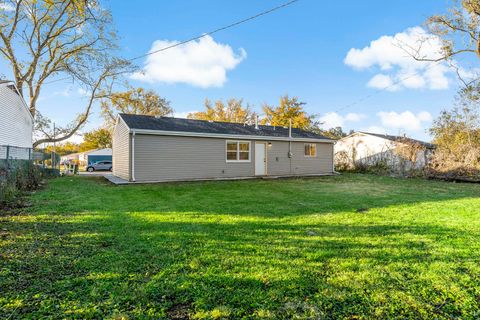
(83, 92)
(63, 93)
(392, 55)
(354, 117)
(183, 115)
(7, 7)
(406, 120)
(375, 129)
(203, 63)
(333, 119)
(424, 116)
(382, 81)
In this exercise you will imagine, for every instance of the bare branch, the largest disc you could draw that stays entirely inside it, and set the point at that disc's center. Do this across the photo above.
(445, 57)
(60, 37)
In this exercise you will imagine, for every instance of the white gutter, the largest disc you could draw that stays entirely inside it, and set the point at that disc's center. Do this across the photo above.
(133, 155)
(225, 136)
(290, 155)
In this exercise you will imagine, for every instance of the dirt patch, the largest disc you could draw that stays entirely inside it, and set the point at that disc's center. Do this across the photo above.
(179, 312)
(14, 208)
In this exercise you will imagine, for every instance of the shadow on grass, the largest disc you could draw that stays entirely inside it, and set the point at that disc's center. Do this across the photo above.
(149, 263)
(259, 249)
(256, 198)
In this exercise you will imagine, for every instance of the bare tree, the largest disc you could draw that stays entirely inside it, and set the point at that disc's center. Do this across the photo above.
(133, 101)
(458, 31)
(53, 40)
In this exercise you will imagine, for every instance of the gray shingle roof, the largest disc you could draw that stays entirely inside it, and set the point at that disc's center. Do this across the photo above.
(400, 138)
(142, 122)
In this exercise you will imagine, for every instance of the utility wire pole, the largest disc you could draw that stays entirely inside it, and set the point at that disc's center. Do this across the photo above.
(54, 158)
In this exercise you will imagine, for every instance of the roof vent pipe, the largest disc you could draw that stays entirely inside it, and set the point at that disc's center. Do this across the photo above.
(256, 121)
(290, 128)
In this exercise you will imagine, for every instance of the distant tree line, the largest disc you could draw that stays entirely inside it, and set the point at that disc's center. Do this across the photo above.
(96, 139)
(289, 110)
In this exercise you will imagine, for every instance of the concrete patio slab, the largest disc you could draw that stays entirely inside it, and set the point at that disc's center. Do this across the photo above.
(116, 180)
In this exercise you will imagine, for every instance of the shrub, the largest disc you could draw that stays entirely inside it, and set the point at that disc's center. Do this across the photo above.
(376, 166)
(17, 176)
(456, 133)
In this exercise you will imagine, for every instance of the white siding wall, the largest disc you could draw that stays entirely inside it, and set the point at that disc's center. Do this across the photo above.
(360, 147)
(369, 149)
(121, 151)
(16, 124)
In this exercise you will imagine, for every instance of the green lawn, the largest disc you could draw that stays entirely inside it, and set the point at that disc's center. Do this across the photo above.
(258, 249)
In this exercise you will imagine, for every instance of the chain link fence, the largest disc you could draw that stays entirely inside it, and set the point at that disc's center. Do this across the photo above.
(49, 161)
(15, 153)
(21, 169)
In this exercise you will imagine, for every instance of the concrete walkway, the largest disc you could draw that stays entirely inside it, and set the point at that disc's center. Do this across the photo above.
(115, 180)
(119, 181)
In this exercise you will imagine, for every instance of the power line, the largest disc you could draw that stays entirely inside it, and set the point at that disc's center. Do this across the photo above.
(378, 91)
(218, 30)
(258, 15)
(234, 24)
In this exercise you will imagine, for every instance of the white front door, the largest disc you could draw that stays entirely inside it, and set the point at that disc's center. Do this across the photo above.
(260, 159)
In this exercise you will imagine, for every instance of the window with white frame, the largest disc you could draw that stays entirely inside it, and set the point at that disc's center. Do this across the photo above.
(238, 151)
(310, 150)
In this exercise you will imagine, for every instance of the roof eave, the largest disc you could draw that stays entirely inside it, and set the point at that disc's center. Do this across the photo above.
(225, 136)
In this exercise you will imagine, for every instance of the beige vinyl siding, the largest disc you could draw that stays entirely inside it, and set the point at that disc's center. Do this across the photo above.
(278, 162)
(163, 158)
(321, 163)
(121, 151)
(16, 124)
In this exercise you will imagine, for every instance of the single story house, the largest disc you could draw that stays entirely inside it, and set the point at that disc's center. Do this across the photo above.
(397, 152)
(88, 157)
(154, 149)
(16, 123)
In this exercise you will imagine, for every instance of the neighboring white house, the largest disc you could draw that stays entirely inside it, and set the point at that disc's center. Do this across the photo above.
(16, 123)
(398, 152)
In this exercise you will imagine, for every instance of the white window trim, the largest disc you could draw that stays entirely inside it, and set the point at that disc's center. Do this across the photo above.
(309, 156)
(238, 151)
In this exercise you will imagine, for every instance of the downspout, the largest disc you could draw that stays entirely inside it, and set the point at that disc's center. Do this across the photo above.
(333, 156)
(133, 155)
(290, 144)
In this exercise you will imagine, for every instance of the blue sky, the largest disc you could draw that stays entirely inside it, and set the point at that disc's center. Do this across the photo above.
(302, 50)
